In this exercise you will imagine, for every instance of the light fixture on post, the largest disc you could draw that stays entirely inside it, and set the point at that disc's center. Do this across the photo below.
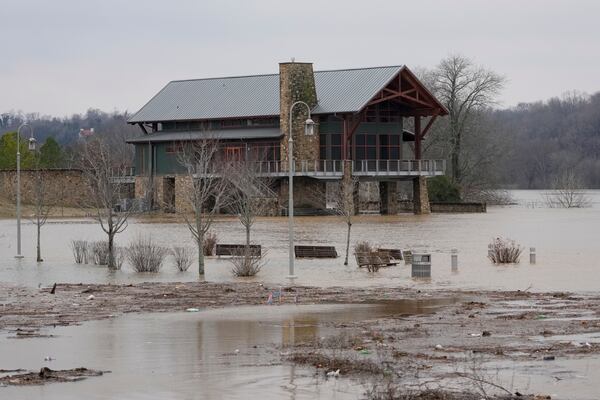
(309, 130)
(32, 142)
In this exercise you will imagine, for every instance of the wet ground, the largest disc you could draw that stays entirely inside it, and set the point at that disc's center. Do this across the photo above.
(436, 332)
(566, 243)
(230, 353)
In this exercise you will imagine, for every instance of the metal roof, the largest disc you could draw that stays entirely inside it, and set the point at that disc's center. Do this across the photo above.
(346, 90)
(224, 134)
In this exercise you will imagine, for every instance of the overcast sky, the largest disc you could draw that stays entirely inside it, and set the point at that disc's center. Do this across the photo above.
(64, 56)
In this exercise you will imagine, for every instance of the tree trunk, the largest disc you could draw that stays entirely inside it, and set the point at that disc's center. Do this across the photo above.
(200, 253)
(247, 238)
(348, 243)
(39, 250)
(111, 257)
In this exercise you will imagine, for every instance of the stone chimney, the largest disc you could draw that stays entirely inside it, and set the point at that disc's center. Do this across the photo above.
(297, 83)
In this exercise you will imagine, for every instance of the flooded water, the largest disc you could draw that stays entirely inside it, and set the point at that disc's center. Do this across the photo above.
(566, 241)
(209, 354)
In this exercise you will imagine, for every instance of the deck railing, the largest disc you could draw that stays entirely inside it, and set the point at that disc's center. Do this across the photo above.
(335, 168)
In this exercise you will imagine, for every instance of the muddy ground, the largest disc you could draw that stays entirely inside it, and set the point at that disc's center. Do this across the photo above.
(503, 326)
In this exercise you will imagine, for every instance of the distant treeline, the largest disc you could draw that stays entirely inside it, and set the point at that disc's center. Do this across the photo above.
(538, 141)
(66, 130)
(547, 138)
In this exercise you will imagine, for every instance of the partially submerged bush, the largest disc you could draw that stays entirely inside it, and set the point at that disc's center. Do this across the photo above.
(183, 257)
(504, 251)
(146, 256)
(246, 262)
(362, 247)
(119, 255)
(210, 242)
(99, 252)
(80, 251)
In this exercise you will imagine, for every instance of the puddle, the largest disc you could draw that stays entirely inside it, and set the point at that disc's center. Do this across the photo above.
(208, 354)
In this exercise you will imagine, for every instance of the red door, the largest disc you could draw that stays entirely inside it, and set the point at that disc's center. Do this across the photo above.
(233, 153)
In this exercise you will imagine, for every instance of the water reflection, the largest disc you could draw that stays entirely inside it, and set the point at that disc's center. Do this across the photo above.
(565, 240)
(210, 354)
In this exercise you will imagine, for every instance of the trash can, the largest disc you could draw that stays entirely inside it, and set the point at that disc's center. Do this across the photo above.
(421, 265)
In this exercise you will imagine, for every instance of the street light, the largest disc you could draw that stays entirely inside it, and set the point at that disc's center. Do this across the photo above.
(309, 129)
(31, 146)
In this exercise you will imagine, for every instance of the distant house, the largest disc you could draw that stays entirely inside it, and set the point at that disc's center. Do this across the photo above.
(360, 115)
(83, 133)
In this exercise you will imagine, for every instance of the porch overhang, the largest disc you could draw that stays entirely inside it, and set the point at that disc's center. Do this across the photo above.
(225, 134)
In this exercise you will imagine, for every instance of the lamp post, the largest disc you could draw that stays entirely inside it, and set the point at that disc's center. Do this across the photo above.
(31, 144)
(309, 126)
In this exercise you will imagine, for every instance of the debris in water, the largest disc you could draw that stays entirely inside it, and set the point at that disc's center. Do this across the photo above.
(549, 358)
(333, 374)
(48, 358)
(192, 309)
(47, 375)
(91, 297)
(439, 347)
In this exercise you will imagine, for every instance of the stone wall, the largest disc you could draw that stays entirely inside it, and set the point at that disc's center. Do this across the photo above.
(458, 207)
(308, 193)
(66, 186)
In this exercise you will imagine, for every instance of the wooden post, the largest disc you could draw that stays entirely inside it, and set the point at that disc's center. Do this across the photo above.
(417, 137)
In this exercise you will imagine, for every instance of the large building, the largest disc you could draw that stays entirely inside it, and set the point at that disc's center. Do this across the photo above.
(360, 117)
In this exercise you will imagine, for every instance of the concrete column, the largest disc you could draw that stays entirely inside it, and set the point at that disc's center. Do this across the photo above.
(388, 197)
(420, 196)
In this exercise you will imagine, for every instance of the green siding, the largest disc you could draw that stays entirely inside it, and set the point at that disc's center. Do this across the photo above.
(167, 163)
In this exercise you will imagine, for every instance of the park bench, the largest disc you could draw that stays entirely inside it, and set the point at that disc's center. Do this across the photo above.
(315, 252)
(237, 249)
(395, 254)
(374, 260)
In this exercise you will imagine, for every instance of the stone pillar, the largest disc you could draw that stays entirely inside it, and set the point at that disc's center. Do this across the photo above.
(388, 196)
(420, 196)
(297, 83)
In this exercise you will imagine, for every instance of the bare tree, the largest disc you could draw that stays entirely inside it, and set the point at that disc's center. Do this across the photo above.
(344, 206)
(465, 90)
(104, 171)
(567, 192)
(250, 194)
(205, 189)
(42, 204)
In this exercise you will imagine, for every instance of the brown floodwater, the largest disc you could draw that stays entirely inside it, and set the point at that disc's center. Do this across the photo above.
(566, 241)
(208, 354)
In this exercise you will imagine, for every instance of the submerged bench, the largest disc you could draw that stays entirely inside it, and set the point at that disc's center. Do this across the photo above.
(374, 260)
(237, 249)
(315, 252)
(396, 254)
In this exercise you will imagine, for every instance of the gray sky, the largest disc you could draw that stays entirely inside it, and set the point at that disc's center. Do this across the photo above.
(63, 56)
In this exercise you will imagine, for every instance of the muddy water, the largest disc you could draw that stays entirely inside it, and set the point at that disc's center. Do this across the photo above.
(209, 354)
(566, 243)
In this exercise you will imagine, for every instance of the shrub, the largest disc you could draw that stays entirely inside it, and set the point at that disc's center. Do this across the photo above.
(119, 257)
(210, 242)
(100, 252)
(504, 251)
(363, 247)
(246, 262)
(80, 251)
(442, 189)
(183, 257)
(146, 256)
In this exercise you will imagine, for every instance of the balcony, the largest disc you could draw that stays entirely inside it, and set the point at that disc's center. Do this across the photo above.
(334, 169)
